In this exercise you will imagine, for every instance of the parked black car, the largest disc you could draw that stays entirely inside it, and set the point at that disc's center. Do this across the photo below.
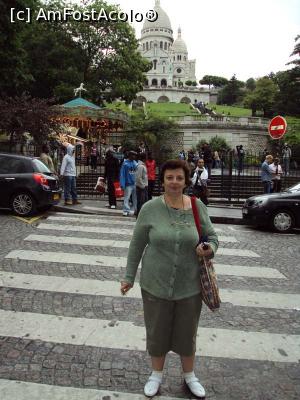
(26, 185)
(280, 211)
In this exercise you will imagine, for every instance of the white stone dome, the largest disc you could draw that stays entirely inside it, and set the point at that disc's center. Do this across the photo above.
(179, 45)
(163, 21)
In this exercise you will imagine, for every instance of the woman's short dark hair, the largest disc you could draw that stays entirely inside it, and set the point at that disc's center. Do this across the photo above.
(175, 164)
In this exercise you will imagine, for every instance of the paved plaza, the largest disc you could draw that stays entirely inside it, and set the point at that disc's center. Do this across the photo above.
(67, 333)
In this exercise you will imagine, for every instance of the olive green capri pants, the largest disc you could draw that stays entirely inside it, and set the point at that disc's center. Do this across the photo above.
(171, 325)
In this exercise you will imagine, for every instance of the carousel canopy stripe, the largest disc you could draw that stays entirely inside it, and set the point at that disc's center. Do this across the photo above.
(84, 113)
(80, 102)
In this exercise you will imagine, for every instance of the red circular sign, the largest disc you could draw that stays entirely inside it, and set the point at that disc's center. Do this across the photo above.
(277, 127)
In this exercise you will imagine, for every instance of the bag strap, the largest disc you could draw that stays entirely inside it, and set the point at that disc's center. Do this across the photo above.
(196, 216)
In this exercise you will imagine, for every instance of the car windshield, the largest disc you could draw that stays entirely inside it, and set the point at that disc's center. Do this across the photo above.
(295, 188)
(41, 167)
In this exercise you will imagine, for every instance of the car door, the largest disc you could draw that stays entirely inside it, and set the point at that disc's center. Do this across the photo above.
(295, 206)
(6, 180)
(11, 172)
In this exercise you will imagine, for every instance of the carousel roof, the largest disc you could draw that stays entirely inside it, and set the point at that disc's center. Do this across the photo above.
(80, 102)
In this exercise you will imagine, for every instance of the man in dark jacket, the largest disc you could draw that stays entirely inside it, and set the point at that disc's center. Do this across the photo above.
(111, 175)
(208, 159)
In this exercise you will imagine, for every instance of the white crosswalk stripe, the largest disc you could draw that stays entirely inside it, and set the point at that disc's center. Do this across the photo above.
(112, 288)
(119, 243)
(107, 230)
(120, 262)
(16, 390)
(118, 334)
(124, 334)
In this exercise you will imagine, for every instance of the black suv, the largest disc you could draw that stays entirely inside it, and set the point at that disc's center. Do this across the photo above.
(26, 185)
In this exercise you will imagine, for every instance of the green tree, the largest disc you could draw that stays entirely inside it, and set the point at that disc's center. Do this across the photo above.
(263, 97)
(14, 72)
(216, 81)
(156, 132)
(23, 113)
(218, 143)
(111, 60)
(189, 83)
(296, 52)
(250, 84)
(54, 59)
(287, 99)
(231, 93)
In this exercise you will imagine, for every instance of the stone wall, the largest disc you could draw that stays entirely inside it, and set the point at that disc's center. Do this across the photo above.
(175, 95)
(253, 138)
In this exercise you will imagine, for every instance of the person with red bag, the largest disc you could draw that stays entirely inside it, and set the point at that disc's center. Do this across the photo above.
(111, 175)
(166, 241)
(151, 171)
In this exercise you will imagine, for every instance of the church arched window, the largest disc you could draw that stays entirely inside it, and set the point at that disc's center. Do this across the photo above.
(147, 46)
(154, 82)
(166, 46)
(143, 46)
(154, 64)
(151, 43)
(161, 45)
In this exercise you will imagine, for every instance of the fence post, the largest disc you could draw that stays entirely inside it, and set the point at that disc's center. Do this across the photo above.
(230, 175)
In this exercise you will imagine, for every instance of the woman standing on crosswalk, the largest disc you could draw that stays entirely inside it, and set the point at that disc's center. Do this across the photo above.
(166, 239)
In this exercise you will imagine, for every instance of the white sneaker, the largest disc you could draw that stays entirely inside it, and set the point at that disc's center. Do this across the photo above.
(112, 207)
(125, 214)
(152, 386)
(195, 386)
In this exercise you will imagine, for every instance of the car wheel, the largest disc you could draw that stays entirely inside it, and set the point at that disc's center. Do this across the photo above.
(23, 204)
(282, 221)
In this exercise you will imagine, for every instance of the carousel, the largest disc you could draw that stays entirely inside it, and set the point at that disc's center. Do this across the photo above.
(87, 124)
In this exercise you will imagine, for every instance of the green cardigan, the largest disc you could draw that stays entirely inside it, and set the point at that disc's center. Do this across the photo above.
(166, 239)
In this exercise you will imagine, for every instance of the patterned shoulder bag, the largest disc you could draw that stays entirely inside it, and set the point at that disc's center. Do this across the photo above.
(208, 278)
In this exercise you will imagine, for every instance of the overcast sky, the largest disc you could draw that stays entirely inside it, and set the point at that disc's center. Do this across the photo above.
(249, 38)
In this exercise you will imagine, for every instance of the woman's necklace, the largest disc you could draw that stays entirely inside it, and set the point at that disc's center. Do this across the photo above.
(182, 222)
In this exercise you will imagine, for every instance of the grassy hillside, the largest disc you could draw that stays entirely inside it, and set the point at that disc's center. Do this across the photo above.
(229, 110)
(170, 109)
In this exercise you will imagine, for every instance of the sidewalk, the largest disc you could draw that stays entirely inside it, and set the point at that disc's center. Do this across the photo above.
(219, 215)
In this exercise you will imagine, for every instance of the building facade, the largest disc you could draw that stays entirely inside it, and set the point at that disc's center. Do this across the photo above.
(171, 67)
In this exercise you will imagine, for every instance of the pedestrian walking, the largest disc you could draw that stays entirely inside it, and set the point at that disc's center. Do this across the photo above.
(93, 155)
(182, 155)
(207, 156)
(217, 161)
(276, 175)
(111, 175)
(240, 158)
(127, 183)
(151, 171)
(166, 239)
(68, 171)
(46, 159)
(266, 173)
(199, 182)
(286, 158)
(141, 182)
